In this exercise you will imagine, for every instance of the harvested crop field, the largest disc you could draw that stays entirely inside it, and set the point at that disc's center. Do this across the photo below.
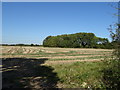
(54, 54)
(43, 67)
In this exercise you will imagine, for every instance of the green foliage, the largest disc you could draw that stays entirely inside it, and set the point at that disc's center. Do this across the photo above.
(77, 40)
(80, 74)
(115, 35)
(112, 73)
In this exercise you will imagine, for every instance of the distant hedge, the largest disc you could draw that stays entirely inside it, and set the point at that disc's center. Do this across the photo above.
(20, 45)
(77, 40)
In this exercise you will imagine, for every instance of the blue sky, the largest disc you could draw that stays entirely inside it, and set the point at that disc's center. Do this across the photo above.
(32, 22)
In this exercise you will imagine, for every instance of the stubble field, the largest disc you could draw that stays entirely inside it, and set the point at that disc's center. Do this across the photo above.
(43, 67)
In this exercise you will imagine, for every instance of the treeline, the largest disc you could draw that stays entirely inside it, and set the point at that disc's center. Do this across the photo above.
(77, 40)
(20, 45)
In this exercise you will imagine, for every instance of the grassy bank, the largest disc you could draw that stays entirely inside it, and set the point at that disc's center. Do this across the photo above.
(80, 74)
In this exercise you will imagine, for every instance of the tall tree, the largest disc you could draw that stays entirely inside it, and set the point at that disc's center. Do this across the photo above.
(77, 40)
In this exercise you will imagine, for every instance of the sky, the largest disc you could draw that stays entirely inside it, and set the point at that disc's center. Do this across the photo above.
(32, 22)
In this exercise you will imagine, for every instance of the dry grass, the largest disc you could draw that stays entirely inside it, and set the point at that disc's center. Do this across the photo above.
(55, 54)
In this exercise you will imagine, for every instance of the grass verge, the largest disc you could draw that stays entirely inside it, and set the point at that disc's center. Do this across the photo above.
(80, 75)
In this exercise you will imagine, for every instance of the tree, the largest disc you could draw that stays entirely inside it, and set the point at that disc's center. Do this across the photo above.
(115, 35)
(77, 40)
(112, 73)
